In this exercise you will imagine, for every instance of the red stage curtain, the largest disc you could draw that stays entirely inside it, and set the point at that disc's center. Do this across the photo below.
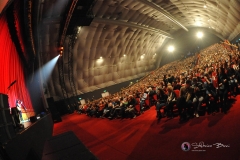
(11, 69)
(17, 13)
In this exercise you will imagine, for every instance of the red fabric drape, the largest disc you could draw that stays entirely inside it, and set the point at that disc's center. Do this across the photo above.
(11, 69)
(17, 13)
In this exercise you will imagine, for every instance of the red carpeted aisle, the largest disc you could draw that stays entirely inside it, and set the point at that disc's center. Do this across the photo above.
(146, 138)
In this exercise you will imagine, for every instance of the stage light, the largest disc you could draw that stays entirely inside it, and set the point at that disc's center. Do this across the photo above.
(199, 34)
(171, 48)
(60, 49)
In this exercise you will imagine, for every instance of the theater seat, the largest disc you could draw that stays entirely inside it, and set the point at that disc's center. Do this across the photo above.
(177, 92)
(155, 97)
(137, 106)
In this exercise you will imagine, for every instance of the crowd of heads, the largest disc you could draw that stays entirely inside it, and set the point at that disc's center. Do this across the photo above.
(208, 64)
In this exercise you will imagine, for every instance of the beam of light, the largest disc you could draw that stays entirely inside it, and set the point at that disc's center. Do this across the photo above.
(199, 34)
(48, 68)
(171, 48)
(45, 71)
(38, 82)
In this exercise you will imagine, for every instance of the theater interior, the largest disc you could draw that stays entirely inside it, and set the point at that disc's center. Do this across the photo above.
(58, 57)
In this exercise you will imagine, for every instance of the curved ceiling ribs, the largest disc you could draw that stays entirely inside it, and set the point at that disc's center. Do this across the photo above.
(165, 13)
(129, 24)
(129, 36)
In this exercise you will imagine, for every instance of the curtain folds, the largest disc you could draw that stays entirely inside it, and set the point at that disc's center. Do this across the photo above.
(11, 69)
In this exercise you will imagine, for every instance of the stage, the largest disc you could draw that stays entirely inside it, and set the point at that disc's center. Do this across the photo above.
(28, 143)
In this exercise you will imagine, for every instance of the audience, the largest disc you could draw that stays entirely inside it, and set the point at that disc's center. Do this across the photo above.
(206, 78)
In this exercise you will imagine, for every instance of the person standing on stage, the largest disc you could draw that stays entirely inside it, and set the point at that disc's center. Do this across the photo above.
(19, 107)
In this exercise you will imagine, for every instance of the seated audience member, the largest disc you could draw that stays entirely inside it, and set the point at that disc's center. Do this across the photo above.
(232, 79)
(183, 82)
(171, 100)
(176, 85)
(101, 106)
(131, 106)
(116, 107)
(80, 109)
(123, 107)
(107, 108)
(88, 110)
(198, 95)
(223, 89)
(161, 101)
(210, 93)
(184, 101)
(143, 97)
(93, 110)
(151, 93)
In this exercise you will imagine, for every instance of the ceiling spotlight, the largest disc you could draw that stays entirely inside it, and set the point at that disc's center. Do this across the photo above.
(199, 34)
(170, 48)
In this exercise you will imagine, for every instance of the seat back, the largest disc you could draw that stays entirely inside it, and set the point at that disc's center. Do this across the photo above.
(177, 92)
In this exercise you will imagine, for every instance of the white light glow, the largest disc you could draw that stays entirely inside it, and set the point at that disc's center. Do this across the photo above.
(171, 48)
(198, 23)
(142, 56)
(100, 60)
(199, 34)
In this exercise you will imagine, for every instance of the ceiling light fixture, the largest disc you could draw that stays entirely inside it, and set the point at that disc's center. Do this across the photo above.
(171, 48)
(199, 34)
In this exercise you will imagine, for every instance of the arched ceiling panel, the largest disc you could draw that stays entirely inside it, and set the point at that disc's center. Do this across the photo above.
(134, 28)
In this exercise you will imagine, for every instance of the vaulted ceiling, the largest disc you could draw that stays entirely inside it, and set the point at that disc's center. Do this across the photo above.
(127, 35)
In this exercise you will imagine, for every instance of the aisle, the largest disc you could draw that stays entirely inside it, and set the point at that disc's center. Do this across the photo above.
(146, 138)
